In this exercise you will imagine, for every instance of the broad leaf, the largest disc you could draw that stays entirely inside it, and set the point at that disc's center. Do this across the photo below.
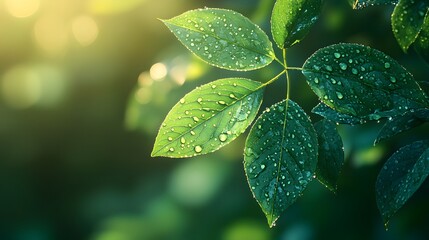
(362, 82)
(403, 123)
(407, 21)
(400, 177)
(223, 38)
(280, 157)
(208, 118)
(422, 42)
(358, 4)
(332, 115)
(331, 154)
(292, 19)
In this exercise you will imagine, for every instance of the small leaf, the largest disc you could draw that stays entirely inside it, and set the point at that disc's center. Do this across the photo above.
(400, 177)
(407, 21)
(208, 118)
(359, 4)
(362, 82)
(422, 42)
(223, 38)
(332, 115)
(292, 19)
(331, 154)
(280, 157)
(403, 123)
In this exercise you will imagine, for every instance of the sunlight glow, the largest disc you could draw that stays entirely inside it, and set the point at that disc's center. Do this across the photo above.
(22, 8)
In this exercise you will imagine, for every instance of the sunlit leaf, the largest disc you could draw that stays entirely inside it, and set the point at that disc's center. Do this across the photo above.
(363, 82)
(208, 118)
(332, 115)
(331, 154)
(400, 177)
(407, 21)
(422, 42)
(292, 19)
(403, 123)
(223, 38)
(280, 157)
(358, 4)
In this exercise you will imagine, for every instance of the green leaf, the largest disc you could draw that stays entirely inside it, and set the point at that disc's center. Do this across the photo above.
(422, 42)
(208, 118)
(223, 38)
(280, 157)
(407, 21)
(292, 19)
(400, 177)
(332, 115)
(331, 154)
(362, 82)
(403, 123)
(359, 4)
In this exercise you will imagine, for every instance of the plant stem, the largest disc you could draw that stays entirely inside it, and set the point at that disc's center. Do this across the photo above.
(294, 68)
(287, 74)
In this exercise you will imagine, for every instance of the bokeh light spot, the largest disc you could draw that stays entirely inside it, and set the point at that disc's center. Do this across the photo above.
(51, 34)
(85, 30)
(22, 8)
(158, 71)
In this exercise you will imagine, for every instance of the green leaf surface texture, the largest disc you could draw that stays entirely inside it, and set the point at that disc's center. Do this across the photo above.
(223, 38)
(280, 157)
(360, 81)
(422, 42)
(400, 177)
(291, 20)
(208, 118)
(402, 123)
(332, 115)
(331, 154)
(407, 21)
(359, 4)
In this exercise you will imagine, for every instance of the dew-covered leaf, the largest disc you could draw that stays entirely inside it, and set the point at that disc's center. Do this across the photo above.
(331, 154)
(208, 118)
(359, 4)
(223, 38)
(400, 177)
(422, 42)
(280, 157)
(407, 21)
(332, 115)
(363, 82)
(403, 123)
(291, 20)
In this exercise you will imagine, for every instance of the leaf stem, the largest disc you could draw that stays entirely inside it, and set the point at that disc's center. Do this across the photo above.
(287, 74)
(277, 60)
(294, 68)
(274, 78)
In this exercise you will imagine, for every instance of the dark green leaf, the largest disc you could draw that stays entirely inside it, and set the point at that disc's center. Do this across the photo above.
(402, 123)
(292, 19)
(331, 154)
(400, 177)
(407, 21)
(208, 118)
(363, 82)
(358, 4)
(422, 42)
(280, 157)
(332, 115)
(223, 38)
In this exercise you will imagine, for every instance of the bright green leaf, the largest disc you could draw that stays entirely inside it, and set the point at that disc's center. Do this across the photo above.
(400, 177)
(280, 157)
(332, 115)
(422, 42)
(359, 4)
(363, 82)
(208, 118)
(292, 19)
(331, 154)
(403, 123)
(223, 38)
(407, 21)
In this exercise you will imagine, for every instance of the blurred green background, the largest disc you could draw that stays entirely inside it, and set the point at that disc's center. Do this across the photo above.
(84, 86)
